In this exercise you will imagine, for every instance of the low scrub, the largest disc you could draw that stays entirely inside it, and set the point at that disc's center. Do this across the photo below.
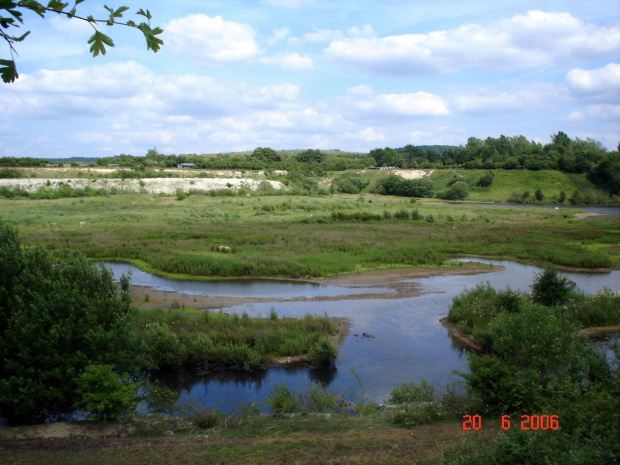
(177, 338)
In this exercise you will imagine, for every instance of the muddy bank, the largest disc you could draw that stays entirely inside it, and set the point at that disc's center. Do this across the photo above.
(394, 283)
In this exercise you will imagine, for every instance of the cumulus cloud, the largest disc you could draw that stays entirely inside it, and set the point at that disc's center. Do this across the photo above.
(519, 98)
(535, 39)
(123, 88)
(601, 85)
(602, 112)
(411, 104)
(289, 61)
(279, 35)
(211, 40)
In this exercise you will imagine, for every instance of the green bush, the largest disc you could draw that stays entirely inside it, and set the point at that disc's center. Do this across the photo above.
(59, 314)
(550, 289)
(282, 400)
(420, 414)
(458, 191)
(323, 353)
(486, 180)
(102, 394)
(406, 393)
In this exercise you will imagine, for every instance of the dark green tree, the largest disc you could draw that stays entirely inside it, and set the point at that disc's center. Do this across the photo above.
(266, 154)
(59, 314)
(551, 289)
(11, 16)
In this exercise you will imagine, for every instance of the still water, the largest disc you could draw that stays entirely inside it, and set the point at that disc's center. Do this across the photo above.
(408, 343)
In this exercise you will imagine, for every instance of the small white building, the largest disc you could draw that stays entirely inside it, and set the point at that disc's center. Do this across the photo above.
(186, 165)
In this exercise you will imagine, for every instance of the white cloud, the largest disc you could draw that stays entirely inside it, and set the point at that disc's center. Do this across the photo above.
(323, 35)
(520, 97)
(360, 90)
(211, 41)
(602, 112)
(289, 61)
(131, 89)
(289, 3)
(602, 84)
(279, 35)
(413, 104)
(535, 39)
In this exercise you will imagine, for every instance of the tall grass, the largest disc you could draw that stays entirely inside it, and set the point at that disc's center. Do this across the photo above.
(308, 236)
(176, 338)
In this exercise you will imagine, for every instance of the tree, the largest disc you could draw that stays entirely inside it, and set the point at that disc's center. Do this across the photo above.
(59, 314)
(266, 154)
(11, 12)
(551, 289)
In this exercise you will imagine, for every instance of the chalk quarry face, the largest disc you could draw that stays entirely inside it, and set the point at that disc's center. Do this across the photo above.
(168, 186)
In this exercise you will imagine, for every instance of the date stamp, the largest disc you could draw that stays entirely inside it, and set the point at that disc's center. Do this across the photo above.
(527, 422)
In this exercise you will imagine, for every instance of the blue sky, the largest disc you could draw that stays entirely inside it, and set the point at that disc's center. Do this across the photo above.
(354, 75)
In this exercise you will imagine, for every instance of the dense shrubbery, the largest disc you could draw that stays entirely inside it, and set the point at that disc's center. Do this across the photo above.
(397, 185)
(174, 339)
(536, 363)
(59, 315)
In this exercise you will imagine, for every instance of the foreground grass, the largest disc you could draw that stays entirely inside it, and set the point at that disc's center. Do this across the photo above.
(306, 236)
(306, 439)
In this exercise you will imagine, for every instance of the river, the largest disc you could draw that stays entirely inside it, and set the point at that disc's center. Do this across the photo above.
(408, 342)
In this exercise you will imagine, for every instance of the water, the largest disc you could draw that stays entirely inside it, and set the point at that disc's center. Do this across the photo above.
(277, 289)
(409, 342)
(608, 211)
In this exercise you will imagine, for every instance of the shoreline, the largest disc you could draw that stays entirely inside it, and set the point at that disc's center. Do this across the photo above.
(390, 284)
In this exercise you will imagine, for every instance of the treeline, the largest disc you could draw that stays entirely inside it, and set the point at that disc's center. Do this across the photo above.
(262, 158)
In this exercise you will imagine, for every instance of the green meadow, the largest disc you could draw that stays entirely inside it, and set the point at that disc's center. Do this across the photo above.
(307, 236)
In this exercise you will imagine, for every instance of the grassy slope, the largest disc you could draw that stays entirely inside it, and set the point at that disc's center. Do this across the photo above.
(550, 182)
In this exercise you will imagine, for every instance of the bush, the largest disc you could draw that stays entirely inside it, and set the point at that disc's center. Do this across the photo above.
(282, 400)
(58, 315)
(8, 173)
(421, 414)
(406, 393)
(486, 180)
(550, 289)
(101, 393)
(323, 353)
(458, 191)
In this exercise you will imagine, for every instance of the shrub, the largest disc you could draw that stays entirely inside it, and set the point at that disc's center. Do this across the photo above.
(486, 180)
(282, 400)
(458, 191)
(550, 289)
(402, 214)
(405, 393)
(7, 173)
(421, 414)
(323, 353)
(102, 394)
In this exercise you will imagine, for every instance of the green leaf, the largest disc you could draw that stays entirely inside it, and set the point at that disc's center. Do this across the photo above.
(147, 14)
(8, 71)
(20, 38)
(131, 23)
(57, 5)
(99, 40)
(152, 42)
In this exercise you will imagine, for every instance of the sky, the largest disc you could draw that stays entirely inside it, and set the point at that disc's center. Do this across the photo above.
(234, 75)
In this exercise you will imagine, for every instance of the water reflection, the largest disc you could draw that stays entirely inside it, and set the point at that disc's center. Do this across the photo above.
(264, 288)
(409, 341)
